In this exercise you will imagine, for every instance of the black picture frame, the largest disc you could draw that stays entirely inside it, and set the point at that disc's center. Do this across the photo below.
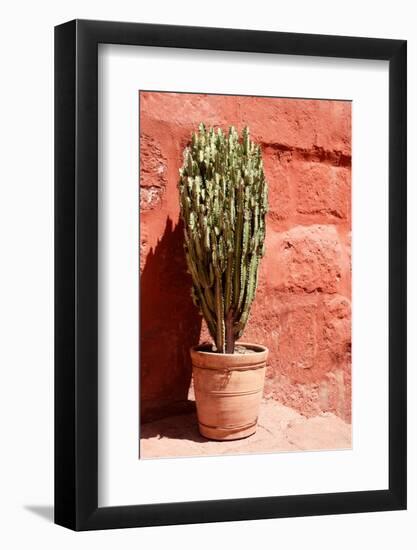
(76, 272)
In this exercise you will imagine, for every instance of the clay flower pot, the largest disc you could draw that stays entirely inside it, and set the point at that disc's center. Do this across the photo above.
(228, 390)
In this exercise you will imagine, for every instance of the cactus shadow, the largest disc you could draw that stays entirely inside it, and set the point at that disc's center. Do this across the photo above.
(169, 325)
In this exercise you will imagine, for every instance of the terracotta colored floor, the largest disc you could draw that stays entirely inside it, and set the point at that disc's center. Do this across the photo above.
(279, 429)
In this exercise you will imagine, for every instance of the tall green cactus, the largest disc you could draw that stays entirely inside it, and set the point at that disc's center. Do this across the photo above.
(223, 202)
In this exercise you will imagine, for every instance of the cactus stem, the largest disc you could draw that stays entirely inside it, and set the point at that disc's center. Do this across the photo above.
(223, 203)
(230, 337)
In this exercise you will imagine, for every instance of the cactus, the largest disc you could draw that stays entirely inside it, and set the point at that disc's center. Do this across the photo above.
(223, 203)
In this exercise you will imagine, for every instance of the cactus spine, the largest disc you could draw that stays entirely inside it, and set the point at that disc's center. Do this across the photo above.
(223, 203)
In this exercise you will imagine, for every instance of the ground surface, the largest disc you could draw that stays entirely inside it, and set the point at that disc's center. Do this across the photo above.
(280, 428)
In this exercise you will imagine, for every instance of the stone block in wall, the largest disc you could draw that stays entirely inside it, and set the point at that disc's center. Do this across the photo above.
(321, 189)
(299, 187)
(305, 259)
(188, 110)
(297, 337)
(153, 173)
(334, 393)
(287, 324)
(336, 332)
(280, 186)
(305, 125)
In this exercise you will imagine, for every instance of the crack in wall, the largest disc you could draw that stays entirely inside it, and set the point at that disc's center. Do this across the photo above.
(316, 154)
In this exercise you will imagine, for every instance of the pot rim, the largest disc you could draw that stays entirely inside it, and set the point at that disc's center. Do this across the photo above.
(230, 361)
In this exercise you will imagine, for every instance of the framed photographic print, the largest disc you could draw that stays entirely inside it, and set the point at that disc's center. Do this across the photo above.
(230, 338)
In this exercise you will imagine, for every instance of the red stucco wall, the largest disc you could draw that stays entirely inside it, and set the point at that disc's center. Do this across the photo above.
(302, 307)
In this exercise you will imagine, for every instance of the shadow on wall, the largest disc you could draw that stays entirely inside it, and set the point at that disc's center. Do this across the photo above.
(169, 325)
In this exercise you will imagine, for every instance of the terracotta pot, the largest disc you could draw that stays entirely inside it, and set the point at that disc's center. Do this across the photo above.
(228, 390)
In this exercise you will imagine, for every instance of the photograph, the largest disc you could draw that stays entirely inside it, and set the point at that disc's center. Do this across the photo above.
(207, 272)
(245, 274)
